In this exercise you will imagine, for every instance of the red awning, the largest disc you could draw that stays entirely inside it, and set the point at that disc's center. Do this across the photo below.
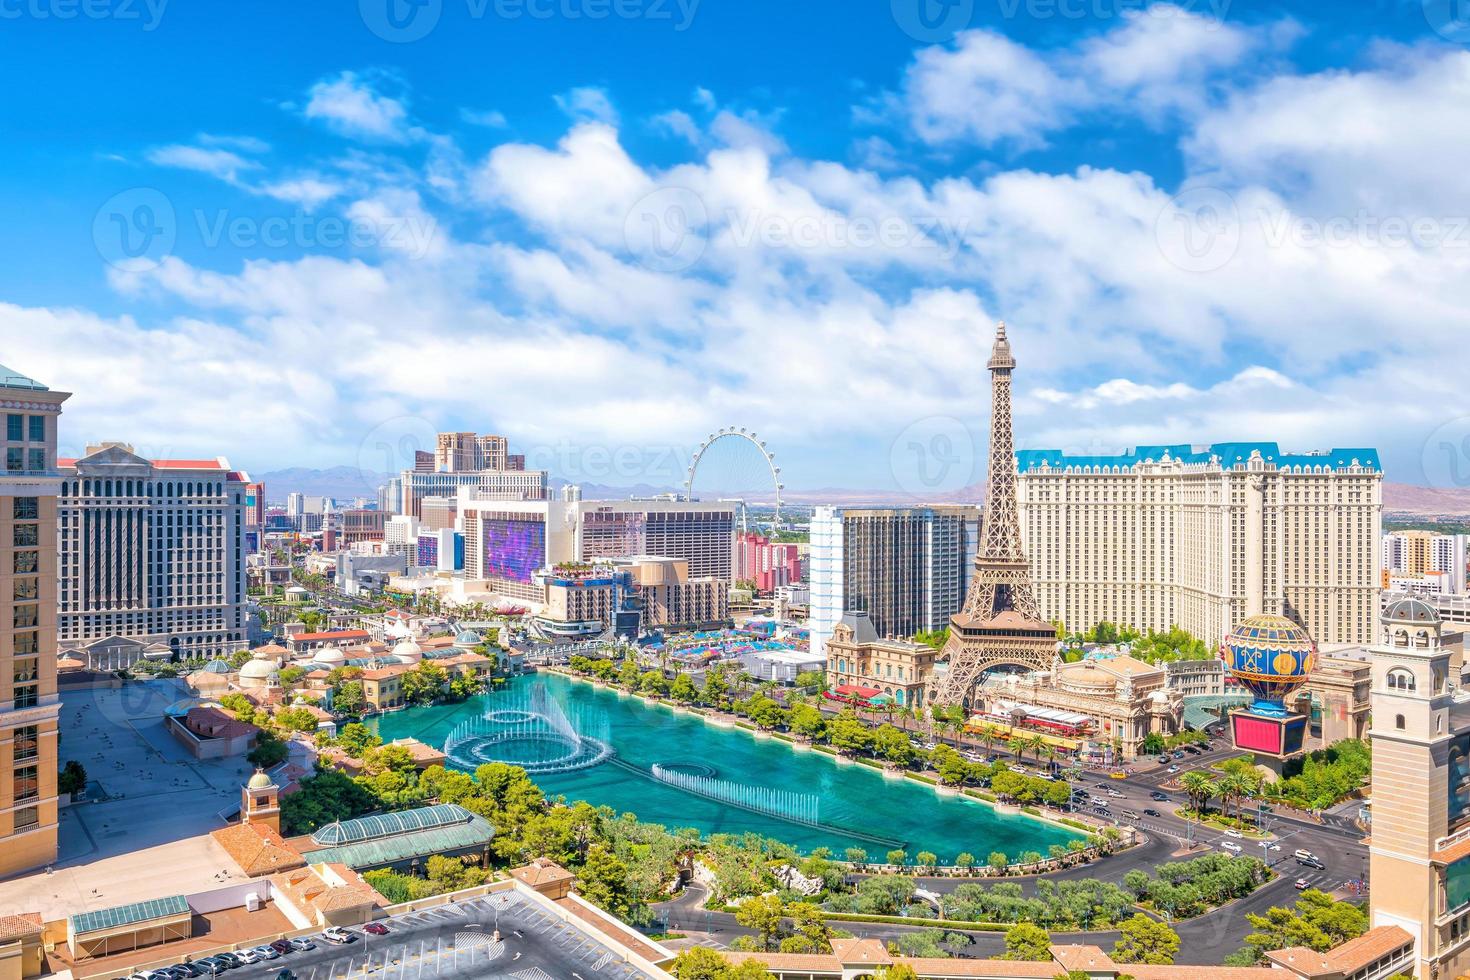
(853, 691)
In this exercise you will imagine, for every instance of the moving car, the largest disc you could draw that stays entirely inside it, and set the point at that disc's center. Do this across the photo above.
(1231, 846)
(1118, 775)
(1301, 884)
(1173, 769)
(1151, 812)
(1115, 794)
(1158, 797)
(285, 975)
(1302, 852)
(1311, 862)
(1232, 832)
(376, 928)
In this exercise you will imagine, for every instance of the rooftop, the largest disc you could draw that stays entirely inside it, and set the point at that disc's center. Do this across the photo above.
(1225, 454)
(10, 378)
(121, 915)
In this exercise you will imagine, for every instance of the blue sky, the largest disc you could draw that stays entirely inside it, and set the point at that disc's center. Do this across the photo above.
(296, 233)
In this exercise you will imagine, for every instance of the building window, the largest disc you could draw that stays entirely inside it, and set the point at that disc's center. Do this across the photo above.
(14, 459)
(26, 616)
(26, 818)
(25, 535)
(27, 743)
(1398, 722)
(15, 428)
(26, 508)
(26, 563)
(1400, 679)
(36, 460)
(38, 428)
(27, 588)
(27, 784)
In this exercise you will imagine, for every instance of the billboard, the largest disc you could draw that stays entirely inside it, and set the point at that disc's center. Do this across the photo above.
(514, 549)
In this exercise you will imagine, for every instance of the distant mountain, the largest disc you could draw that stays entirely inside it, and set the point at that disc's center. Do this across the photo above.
(1404, 498)
(341, 482)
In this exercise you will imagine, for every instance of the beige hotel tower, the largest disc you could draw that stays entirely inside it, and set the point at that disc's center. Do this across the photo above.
(29, 705)
(1420, 845)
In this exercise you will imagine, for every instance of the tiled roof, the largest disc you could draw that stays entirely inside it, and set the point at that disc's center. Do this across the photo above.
(385, 673)
(14, 927)
(1347, 958)
(329, 635)
(213, 722)
(542, 871)
(340, 888)
(257, 849)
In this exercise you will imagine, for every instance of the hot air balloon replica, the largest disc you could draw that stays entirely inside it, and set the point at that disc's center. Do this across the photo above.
(1272, 657)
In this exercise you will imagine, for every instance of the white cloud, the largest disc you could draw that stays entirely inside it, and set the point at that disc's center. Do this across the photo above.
(351, 105)
(588, 103)
(679, 123)
(489, 118)
(223, 164)
(988, 89)
(309, 192)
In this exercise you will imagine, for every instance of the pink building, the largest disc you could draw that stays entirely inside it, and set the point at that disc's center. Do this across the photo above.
(768, 565)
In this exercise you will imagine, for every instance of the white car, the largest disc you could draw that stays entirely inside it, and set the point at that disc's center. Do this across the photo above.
(1173, 768)
(248, 956)
(1232, 832)
(1275, 847)
(1230, 845)
(1115, 794)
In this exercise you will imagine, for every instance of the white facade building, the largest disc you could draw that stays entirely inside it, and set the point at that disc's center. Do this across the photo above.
(152, 551)
(1424, 553)
(1201, 538)
(908, 568)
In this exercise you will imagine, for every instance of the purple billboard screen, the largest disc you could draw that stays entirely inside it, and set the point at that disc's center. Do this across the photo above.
(513, 549)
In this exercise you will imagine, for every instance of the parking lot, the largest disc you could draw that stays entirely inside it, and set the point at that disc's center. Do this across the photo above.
(459, 940)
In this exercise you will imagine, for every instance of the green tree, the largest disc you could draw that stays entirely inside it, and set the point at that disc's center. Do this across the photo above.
(849, 735)
(296, 720)
(1142, 940)
(424, 683)
(269, 751)
(603, 881)
(1028, 941)
(856, 856)
(812, 934)
(766, 915)
(808, 722)
(927, 860)
(356, 738)
(348, 699)
(1153, 743)
(683, 689)
(811, 681)
(72, 779)
(893, 745)
(898, 857)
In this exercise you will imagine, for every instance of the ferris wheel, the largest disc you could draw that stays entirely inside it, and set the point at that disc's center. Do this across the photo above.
(734, 465)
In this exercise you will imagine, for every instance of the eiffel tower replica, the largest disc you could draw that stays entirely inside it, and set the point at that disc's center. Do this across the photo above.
(1000, 624)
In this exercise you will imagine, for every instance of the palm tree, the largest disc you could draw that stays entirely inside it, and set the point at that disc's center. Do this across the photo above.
(1235, 787)
(1199, 788)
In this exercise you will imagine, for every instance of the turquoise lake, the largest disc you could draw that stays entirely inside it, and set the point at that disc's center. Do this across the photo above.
(802, 797)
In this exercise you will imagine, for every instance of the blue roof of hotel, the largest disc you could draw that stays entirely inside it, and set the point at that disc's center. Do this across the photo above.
(123, 915)
(1228, 453)
(14, 379)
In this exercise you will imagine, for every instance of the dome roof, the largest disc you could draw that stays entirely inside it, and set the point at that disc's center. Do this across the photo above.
(469, 637)
(258, 670)
(407, 651)
(218, 667)
(1411, 610)
(260, 781)
(329, 656)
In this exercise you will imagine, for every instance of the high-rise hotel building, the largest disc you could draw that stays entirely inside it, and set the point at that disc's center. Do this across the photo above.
(29, 704)
(463, 462)
(1201, 538)
(908, 568)
(152, 557)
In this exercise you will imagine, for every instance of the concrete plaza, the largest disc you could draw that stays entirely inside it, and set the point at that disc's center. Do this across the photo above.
(144, 831)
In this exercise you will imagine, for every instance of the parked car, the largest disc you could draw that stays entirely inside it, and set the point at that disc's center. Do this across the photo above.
(230, 960)
(338, 936)
(247, 956)
(184, 971)
(285, 975)
(301, 944)
(212, 965)
(376, 928)
(266, 952)
(1231, 846)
